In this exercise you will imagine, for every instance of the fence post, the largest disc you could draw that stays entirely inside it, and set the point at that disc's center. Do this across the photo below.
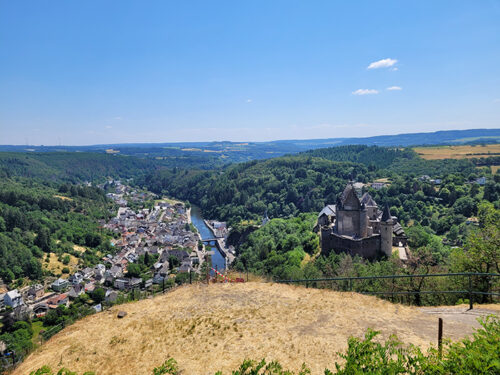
(470, 293)
(440, 337)
(190, 277)
(208, 269)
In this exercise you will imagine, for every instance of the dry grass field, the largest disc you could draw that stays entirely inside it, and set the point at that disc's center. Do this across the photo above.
(55, 266)
(458, 152)
(62, 197)
(214, 328)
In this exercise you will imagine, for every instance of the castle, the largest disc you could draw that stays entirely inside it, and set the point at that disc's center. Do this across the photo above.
(357, 226)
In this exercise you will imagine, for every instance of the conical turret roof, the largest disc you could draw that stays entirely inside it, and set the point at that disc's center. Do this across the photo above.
(386, 215)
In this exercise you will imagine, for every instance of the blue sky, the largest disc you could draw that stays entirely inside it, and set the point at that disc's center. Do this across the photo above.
(90, 72)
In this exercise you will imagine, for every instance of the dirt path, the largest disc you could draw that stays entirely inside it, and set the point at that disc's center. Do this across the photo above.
(459, 321)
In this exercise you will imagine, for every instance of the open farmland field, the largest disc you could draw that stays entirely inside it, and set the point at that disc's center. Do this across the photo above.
(216, 327)
(458, 152)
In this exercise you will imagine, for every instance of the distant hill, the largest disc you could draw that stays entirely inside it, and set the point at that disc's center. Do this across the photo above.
(208, 155)
(71, 166)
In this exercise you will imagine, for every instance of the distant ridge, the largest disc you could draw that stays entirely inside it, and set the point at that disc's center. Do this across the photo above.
(209, 155)
(296, 145)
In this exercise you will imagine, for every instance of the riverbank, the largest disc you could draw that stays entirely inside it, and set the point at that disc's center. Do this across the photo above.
(221, 245)
(204, 231)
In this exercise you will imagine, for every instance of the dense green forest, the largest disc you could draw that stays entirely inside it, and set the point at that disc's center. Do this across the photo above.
(286, 186)
(282, 187)
(72, 167)
(373, 156)
(37, 219)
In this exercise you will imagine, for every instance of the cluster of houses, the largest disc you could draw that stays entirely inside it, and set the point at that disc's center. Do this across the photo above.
(437, 181)
(219, 228)
(38, 299)
(162, 232)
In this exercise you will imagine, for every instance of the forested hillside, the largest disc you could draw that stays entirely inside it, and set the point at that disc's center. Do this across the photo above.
(72, 166)
(37, 219)
(282, 186)
(373, 156)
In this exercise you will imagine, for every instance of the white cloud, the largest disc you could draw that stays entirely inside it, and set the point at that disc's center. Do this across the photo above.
(496, 100)
(394, 88)
(249, 100)
(108, 126)
(384, 63)
(365, 92)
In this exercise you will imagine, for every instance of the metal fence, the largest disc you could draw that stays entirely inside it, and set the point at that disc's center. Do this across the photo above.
(471, 286)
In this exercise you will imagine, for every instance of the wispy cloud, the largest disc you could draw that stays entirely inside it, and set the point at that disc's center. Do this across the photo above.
(108, 127)
(365, 92)
(117, 118)
(394, 88)
(496, 100)
(384, 63)
(249, 100)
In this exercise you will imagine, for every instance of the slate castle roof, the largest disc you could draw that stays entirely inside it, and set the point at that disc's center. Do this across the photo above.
(386, 216)
(368, 201)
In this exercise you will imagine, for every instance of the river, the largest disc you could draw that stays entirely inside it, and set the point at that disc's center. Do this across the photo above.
(205, 232)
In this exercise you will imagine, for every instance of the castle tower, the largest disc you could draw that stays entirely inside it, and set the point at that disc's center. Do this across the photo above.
(386, 232)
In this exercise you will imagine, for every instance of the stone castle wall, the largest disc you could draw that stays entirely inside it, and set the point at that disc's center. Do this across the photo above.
(368, 247)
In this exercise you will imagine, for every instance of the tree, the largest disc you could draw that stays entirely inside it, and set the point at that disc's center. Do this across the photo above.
(482, 248)
(465, 206)
(173, 262)
(98, 295)
(133, 270)
(481, 252)
(42, 240)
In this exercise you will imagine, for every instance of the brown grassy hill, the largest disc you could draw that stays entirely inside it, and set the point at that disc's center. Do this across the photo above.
(214, 328)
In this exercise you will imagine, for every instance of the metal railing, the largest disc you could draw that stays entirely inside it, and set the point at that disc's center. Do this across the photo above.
(394, 290)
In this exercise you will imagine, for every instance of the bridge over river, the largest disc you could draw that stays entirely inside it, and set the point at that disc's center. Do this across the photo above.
(221, 256)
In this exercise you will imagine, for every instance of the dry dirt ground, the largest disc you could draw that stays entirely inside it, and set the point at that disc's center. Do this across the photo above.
(214, 328)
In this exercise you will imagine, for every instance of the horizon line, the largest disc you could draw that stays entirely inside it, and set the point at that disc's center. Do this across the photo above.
(242, 141)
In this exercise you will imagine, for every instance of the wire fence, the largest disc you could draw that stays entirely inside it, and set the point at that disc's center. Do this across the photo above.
(419, 289)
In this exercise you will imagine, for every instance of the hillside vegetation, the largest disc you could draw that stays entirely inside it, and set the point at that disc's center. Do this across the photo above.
(213, 328)
(39, 223)
(71, 166)
(282, 186)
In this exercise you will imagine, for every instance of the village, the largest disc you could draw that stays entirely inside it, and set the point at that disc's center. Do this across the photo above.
(161, 238)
